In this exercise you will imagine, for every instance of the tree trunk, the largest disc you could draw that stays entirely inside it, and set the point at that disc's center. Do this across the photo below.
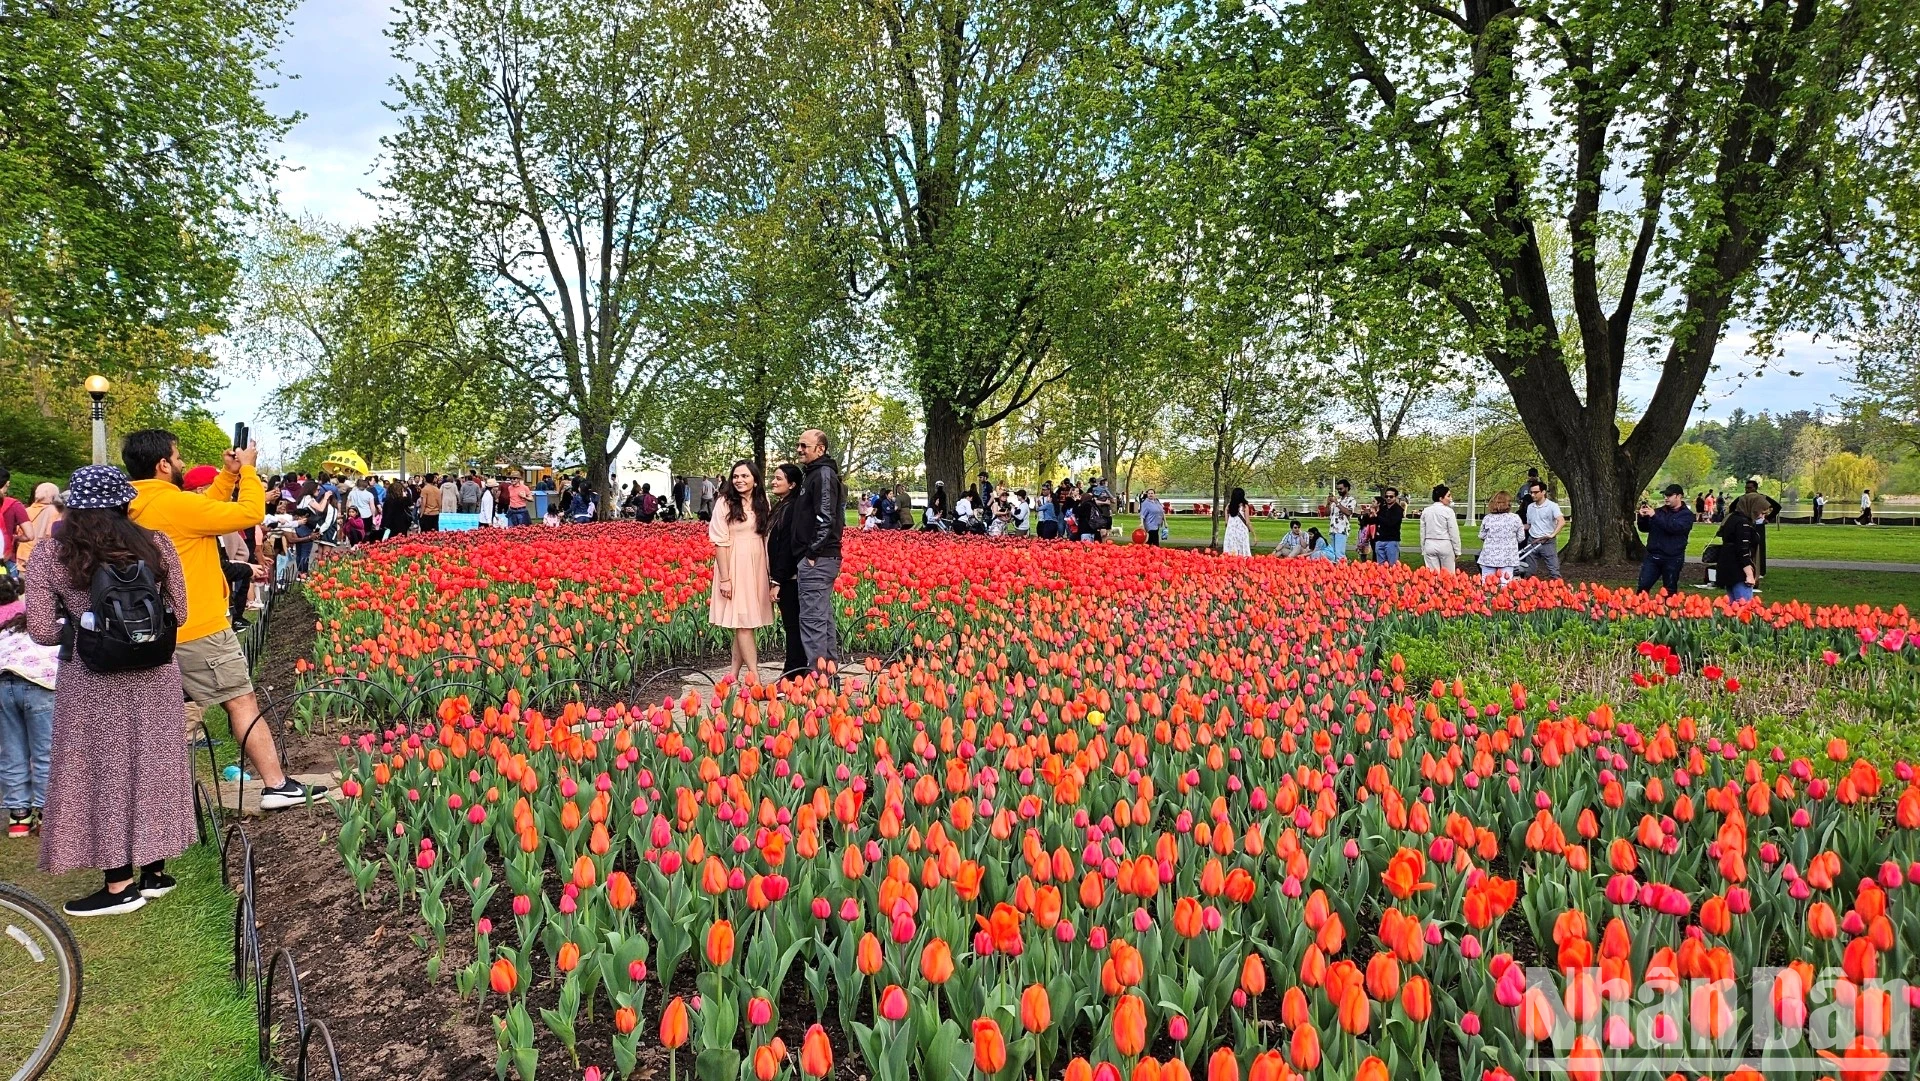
(757, 439)
(1219, 466)
(979, 437)
(946, 447)
(1601, 500)
(593, 446)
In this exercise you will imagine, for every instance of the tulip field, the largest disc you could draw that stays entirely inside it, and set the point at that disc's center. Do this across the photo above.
(1118, 814)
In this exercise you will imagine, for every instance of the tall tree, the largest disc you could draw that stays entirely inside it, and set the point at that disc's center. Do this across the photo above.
(562, 148)
(1710, 138)
(1886, 378)
(132, 137)
(372, 333)
(981, 150)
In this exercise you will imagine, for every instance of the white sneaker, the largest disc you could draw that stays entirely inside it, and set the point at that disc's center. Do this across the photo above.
(291, 793)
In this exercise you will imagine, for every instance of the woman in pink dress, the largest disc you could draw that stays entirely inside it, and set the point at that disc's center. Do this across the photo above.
(742, 599)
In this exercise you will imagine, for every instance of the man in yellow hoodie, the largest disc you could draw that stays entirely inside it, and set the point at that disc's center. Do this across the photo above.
(213, 667)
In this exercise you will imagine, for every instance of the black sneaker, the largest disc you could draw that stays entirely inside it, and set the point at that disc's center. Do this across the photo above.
(103, 903)
(156, 884)
(291, 793)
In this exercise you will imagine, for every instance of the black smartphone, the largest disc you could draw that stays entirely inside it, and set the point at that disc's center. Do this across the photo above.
(240, 434)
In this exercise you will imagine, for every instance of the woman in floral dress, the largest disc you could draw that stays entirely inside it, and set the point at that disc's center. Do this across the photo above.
(120, 794)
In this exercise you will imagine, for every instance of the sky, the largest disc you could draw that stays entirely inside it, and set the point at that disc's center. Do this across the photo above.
(336, 67)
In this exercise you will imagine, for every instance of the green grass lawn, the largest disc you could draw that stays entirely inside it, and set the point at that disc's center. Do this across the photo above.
(157, 997)
(1842, 543)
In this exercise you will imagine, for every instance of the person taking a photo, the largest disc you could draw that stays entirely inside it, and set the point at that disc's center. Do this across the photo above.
(213, 668)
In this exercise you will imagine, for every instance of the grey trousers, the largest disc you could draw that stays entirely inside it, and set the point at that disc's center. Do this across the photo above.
(1548, 556)
(818, 631)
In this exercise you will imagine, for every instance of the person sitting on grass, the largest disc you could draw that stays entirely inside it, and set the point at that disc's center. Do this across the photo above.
(1294, 543)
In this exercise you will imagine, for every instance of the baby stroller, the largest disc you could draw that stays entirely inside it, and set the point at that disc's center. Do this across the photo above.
(1527, 551)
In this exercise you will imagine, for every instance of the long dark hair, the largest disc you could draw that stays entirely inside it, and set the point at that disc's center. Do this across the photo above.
(737, 505)
(1235, 501)
(89, 538)
(784, 509)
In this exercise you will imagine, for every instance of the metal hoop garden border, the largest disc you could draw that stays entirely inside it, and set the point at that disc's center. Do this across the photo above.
(251, 964)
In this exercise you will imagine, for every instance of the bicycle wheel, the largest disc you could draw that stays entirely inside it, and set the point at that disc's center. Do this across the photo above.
(39, 984)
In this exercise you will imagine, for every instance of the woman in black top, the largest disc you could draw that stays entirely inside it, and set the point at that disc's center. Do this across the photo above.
(783, 562)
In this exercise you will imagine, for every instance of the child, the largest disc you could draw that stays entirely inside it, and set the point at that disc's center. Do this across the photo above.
(27, 672)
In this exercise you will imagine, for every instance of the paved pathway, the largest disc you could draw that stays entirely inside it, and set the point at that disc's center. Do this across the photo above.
(1840, 565)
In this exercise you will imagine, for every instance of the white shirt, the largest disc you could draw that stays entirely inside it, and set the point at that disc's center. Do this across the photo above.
(1543, 518)
(963, 508)
(1866, 501)
(1439, 528)
(1339, 511)
(361, 499)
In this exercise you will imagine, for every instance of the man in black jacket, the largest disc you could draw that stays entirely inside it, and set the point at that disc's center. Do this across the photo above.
(1666, 528)
(820, 514)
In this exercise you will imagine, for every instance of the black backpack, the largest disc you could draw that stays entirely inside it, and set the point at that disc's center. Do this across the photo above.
(132, 626)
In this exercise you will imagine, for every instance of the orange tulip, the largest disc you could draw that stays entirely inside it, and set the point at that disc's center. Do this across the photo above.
(620, 891)
(1383, 977)
(1253, 975)
(625, 1020)
(1036, 1010)
(868, 957)
(1222, 1066)
(1293, 1008)
(1186, 917)
(569, 958)
(1404, 873)
(816, 1054)
(1416, 998)
(1305, 1047)
(1821, 922)
(989, 1046)
(673, 1024)
(1130, 1026)
(1372, 1070)
(936, 961)
(1079, 1070)
(1354, 1011)
(720, 943)
(1267, 1066)
(584, 874)
(766, 1064)
(503, 977)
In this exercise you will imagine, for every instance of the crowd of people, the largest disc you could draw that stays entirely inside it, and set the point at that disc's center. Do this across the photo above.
(117, 633)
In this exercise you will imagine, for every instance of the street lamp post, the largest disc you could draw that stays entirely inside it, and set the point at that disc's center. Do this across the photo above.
(1473, 474)
(401, 431)
(97, 387)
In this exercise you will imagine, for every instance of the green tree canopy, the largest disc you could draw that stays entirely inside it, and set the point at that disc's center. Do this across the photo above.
(132, 137)
(1732, 159)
